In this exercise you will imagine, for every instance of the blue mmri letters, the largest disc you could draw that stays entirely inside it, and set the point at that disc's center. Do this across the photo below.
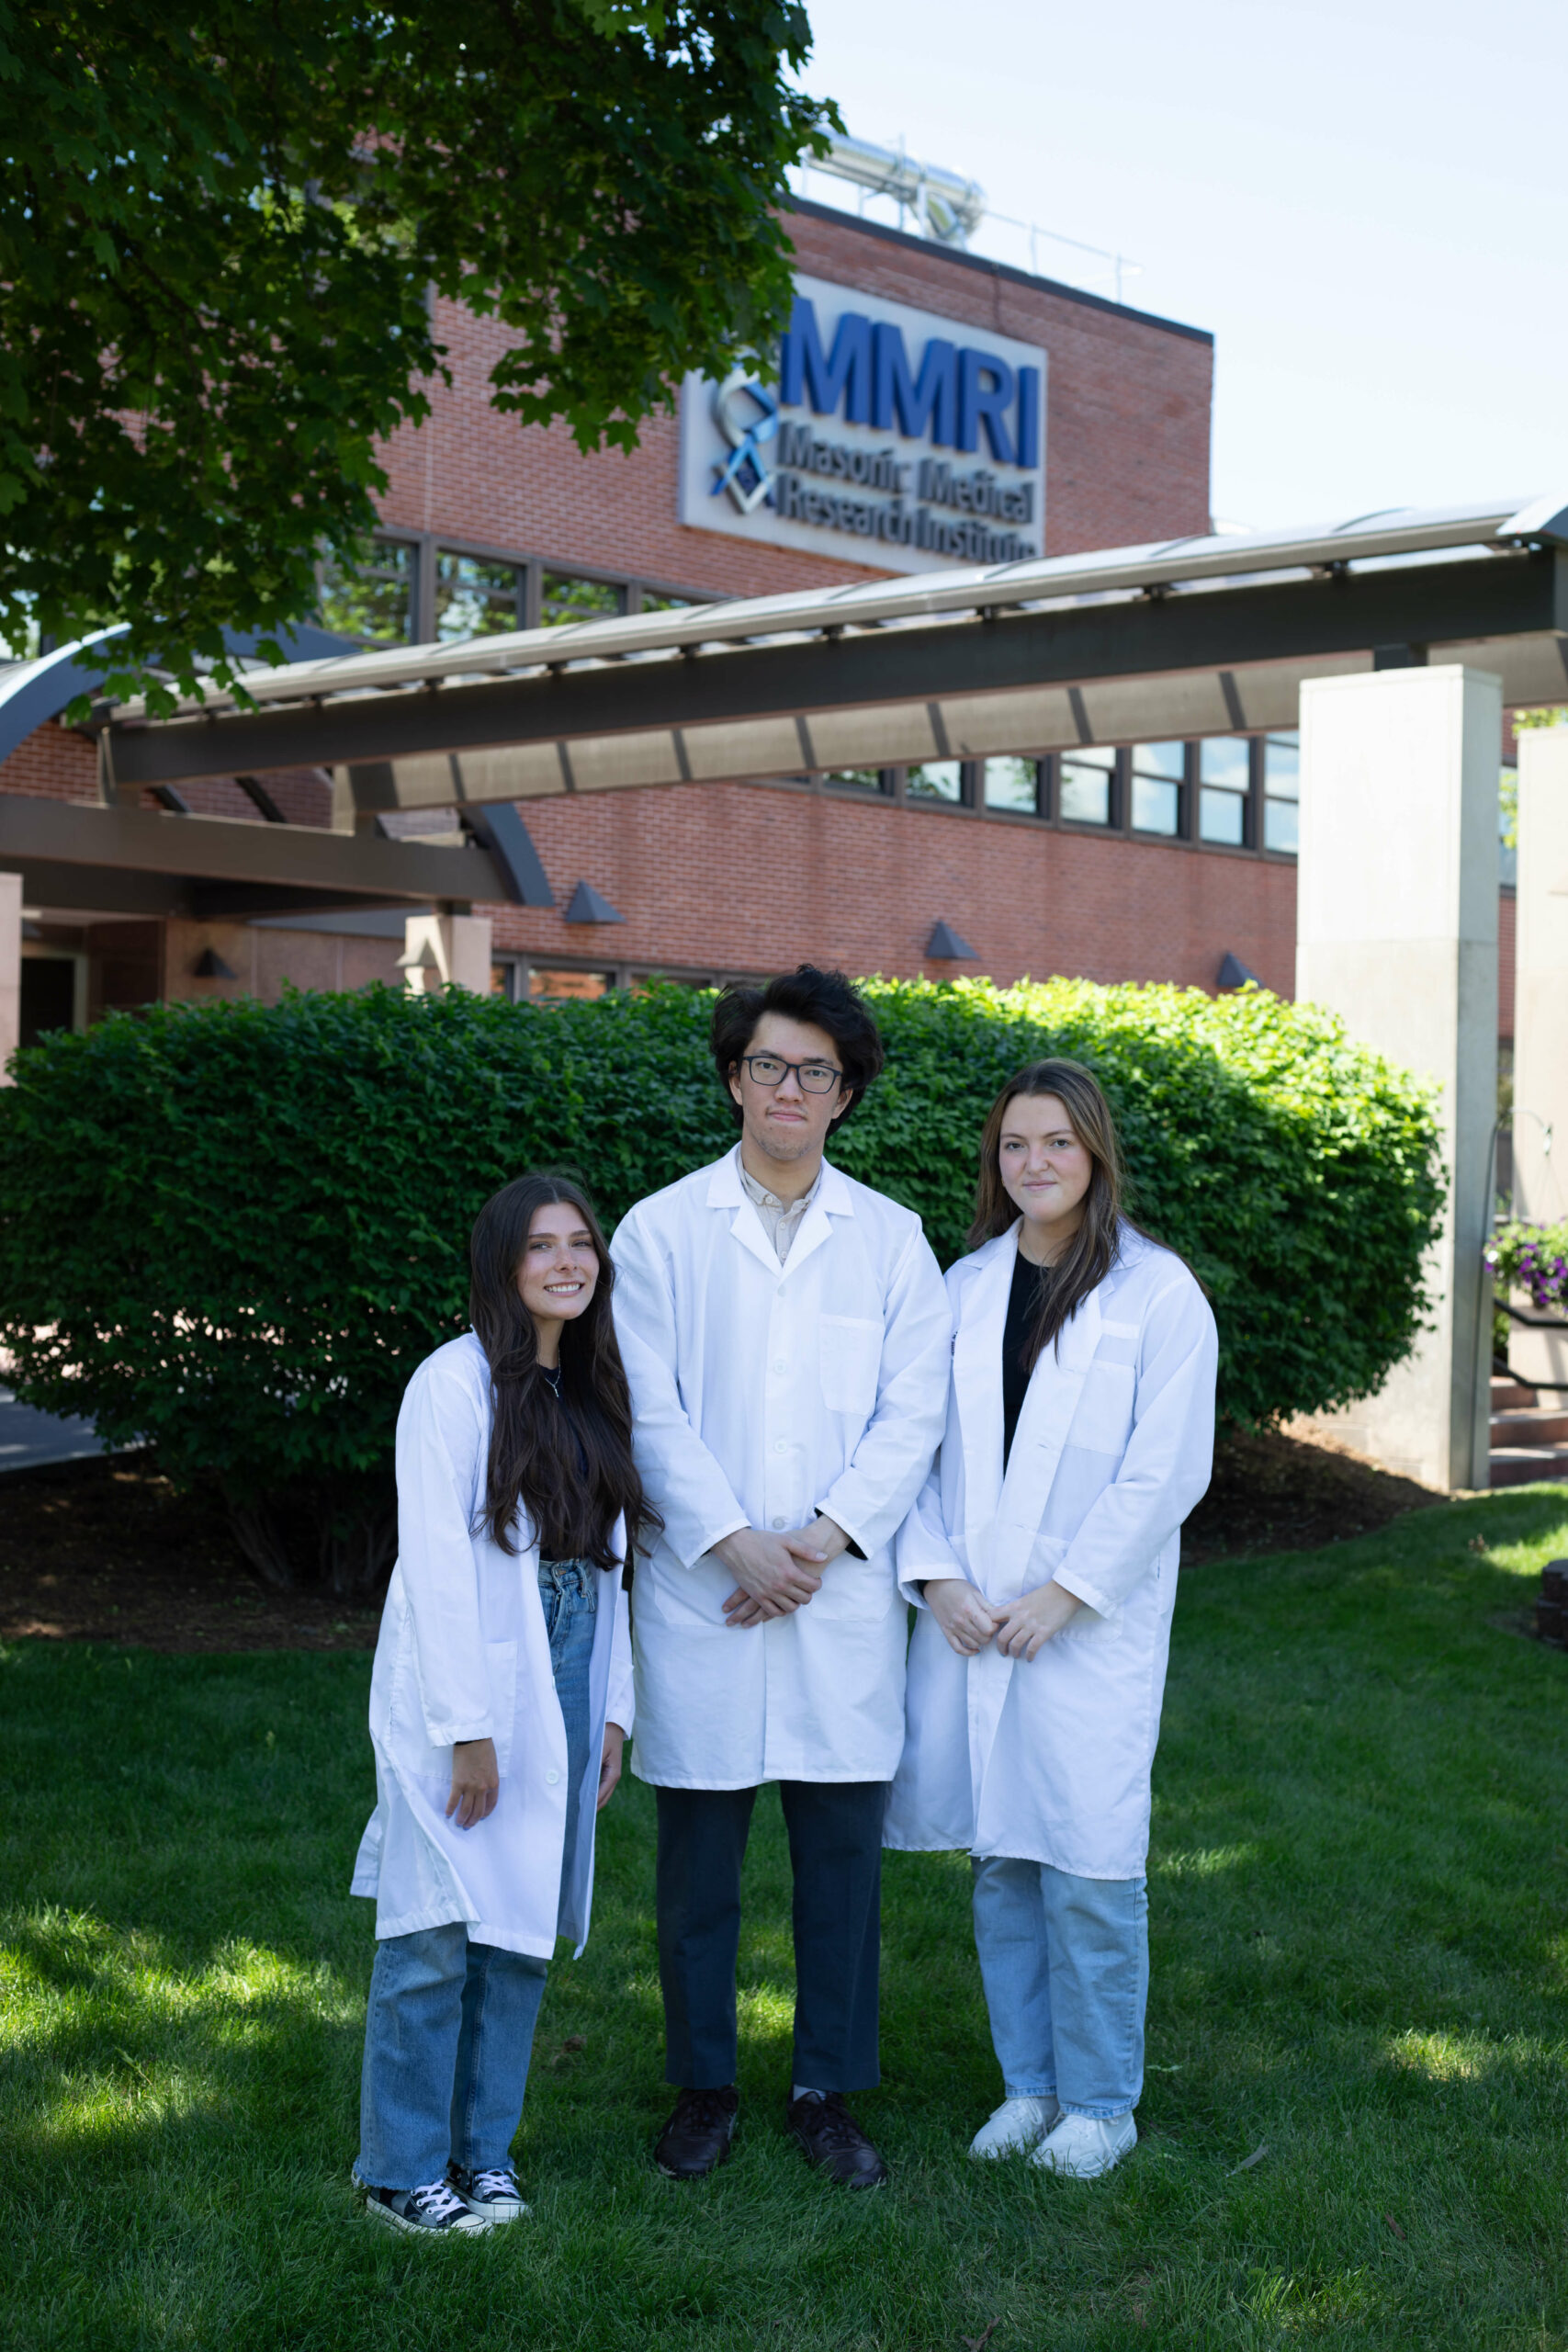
(845, 375)
(959, 392)
(985, 403)
(928, 406)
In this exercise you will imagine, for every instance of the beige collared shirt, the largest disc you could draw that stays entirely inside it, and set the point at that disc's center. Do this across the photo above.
(780, 1219)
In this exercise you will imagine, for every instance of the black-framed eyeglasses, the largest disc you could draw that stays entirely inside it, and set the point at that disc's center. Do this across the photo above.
(771, 1069)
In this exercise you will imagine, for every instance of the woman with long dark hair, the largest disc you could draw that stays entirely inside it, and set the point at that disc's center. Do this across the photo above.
(1041, 1556)
(499, 1702)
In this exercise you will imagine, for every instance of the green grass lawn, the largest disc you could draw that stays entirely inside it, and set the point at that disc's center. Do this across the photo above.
(1359, 1892)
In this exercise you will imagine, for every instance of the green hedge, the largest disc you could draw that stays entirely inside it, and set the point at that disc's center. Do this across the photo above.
(241, 1226)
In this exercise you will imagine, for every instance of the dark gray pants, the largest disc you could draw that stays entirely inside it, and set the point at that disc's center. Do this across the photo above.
(835, 1850)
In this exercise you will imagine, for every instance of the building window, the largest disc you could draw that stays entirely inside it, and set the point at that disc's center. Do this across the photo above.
(935, 780)
(651, 601)
(566, 598)
(564, 987)
(1282, 790)
(374, 605)
(1159, 770)
(1224, 778)
(1011, 784)
(474, 597)
(1083, 792)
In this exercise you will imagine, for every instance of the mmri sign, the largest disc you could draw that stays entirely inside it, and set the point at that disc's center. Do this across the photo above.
(893, 437)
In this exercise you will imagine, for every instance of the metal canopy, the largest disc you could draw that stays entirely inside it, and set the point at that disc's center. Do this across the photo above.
(136, 861)
(1183, 637)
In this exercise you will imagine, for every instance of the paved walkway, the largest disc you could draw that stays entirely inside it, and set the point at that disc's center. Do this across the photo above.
(28, 1439)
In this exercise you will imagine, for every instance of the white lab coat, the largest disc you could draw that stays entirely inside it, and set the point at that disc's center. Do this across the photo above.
(762, 1394)
(1049, 1761)
(464, 1654)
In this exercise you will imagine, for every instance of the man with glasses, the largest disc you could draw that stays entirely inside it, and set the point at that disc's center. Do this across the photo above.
(786, 1335)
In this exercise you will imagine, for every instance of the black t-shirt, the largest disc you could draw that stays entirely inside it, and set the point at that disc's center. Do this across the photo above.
(1023, 1305)
(555, 1543)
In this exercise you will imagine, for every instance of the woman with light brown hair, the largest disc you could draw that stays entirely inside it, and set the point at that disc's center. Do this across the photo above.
(1041, 1558)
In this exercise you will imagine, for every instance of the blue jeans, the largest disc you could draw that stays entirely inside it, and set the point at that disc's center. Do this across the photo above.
(1065, 1962)
(450, 2026)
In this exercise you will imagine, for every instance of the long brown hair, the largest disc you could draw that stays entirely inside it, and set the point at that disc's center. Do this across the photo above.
(534, 1440)
(1091, 1252)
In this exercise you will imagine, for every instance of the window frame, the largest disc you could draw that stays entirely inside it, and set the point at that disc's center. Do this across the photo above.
(531, 563)
(1181, 785)
(421, 572)
(1115, 797)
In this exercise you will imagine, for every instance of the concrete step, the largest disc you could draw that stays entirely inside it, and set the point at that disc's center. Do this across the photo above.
(1510, 1395)
(1542, 1425)
(1519, 1465)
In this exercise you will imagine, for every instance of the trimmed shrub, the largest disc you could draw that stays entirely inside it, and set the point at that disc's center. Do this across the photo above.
(234, 1230)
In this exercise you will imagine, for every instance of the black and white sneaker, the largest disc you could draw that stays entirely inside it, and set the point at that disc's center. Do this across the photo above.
(430, 2212)
(492, 2193)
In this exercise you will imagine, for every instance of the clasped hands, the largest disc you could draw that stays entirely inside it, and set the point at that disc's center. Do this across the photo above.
(1020, 1629)
(776, 1574)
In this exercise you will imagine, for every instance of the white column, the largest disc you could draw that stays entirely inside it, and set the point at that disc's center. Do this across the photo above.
(441, 948)
(470, 952)
(10, 970)
(1396, 931)
(1541, 1017)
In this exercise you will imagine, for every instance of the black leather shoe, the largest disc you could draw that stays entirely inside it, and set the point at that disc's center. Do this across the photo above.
(698, 2134)
(832, 2139)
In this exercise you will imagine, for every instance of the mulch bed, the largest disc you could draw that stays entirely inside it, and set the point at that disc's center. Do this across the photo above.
(1280, 1494)
(106, 1551)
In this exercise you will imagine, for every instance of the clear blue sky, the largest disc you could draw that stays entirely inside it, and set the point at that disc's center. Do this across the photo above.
(1365, 203)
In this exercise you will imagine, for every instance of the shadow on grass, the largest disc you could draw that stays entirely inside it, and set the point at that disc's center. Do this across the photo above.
(1359, 1925)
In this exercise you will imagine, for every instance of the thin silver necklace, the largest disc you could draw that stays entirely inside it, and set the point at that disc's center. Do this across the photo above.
(552, 1378)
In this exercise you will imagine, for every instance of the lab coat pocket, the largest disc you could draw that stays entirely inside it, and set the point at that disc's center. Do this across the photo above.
(861, 1591)
(850, 1347)
(1104, 1421)
(692, 1598)
(500, 1675)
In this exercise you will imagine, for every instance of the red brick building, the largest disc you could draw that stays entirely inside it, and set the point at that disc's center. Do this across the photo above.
(1127, 862)
(737, 878)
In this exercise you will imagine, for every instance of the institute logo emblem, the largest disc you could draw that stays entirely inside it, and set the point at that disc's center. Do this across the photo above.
(747, 414)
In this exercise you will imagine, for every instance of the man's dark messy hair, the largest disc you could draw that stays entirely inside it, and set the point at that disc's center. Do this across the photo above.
(826, 1000)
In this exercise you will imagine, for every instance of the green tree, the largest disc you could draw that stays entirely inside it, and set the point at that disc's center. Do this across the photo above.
(220, 224)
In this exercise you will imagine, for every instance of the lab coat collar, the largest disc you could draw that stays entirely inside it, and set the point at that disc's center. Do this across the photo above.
(726, 1190)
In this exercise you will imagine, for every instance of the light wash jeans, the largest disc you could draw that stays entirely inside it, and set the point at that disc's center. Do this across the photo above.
(1065, 1962)
(449, 2027)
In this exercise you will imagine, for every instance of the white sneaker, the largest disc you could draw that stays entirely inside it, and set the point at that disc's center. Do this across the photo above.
(1017, 2123)
(1082, 2146)
(492, 2193)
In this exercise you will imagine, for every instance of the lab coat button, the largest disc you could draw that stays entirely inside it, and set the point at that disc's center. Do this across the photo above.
(779, 1365)
(779, 1445)
(552, 1777)
(779, 1519)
